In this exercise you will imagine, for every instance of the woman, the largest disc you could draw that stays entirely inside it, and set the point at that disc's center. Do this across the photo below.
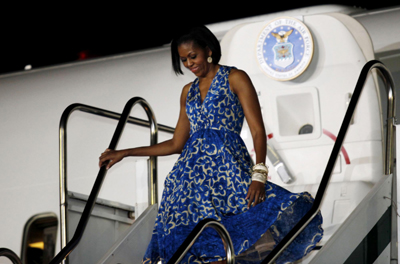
(214, 176)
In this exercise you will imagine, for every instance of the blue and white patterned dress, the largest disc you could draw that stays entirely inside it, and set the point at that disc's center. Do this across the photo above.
(210, 180)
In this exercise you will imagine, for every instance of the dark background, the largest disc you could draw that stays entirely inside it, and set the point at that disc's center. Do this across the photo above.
(48, 34)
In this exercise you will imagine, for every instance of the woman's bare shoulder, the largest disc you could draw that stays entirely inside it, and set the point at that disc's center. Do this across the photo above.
(185, 91)
(238, 74)
(186, 88)
(239, 79)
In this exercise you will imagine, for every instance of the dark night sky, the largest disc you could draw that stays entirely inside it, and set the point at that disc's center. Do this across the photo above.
(54, 34)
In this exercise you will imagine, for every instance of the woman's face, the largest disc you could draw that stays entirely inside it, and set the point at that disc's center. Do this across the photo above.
(194, 58)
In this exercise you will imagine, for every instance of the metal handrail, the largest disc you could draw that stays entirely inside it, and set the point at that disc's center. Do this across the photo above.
(66, 250)
(5, 252)
(388, 159)
(63, 152)
(192, 237)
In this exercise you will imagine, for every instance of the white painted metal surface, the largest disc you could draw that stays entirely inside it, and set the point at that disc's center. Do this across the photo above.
(318, 97)
(132, 245)
(356, 227)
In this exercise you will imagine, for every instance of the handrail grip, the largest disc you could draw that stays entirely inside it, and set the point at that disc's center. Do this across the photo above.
(192, 237)
(102, 172)
(8, 253)
(388, 161)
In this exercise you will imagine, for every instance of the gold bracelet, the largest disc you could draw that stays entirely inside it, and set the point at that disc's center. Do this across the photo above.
(257, 167)
(261, 171)
(259, 177)
(261, 164)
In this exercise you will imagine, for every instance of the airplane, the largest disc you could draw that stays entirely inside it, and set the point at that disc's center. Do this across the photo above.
(57, 120)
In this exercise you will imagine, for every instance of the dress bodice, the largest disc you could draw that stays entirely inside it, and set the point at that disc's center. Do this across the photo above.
(220, 110)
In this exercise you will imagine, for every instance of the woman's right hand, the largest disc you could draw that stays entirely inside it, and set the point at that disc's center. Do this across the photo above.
(110, 157)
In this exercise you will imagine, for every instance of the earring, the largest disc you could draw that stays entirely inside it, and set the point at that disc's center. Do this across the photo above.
(209, 59)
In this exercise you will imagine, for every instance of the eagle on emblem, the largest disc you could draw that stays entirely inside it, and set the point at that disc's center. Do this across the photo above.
(282, 36)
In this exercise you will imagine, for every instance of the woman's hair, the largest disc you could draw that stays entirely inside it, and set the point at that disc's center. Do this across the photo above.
(199, 35)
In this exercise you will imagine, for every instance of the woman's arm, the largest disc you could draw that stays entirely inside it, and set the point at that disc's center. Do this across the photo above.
(168, 147)
(242, 86)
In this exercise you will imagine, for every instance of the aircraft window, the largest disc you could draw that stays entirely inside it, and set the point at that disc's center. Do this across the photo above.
(39, 239)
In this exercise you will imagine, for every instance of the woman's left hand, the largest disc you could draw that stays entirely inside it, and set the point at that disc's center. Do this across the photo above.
(110, 157)
(256, 193)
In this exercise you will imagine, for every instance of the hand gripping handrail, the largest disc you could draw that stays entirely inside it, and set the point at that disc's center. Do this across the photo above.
(192, 237)
(388, 159)
(102, 172)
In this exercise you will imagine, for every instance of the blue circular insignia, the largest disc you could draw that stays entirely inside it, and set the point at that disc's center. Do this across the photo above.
(284, 48)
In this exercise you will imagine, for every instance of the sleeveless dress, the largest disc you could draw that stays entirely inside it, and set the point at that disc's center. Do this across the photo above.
(210, 180)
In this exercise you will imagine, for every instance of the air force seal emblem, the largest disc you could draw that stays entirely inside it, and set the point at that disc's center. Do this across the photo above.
(284, 48)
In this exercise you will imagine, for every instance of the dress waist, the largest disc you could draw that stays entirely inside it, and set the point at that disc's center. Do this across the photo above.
(221, 130)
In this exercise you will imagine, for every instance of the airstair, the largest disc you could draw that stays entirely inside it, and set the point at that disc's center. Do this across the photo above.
(368, 235)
